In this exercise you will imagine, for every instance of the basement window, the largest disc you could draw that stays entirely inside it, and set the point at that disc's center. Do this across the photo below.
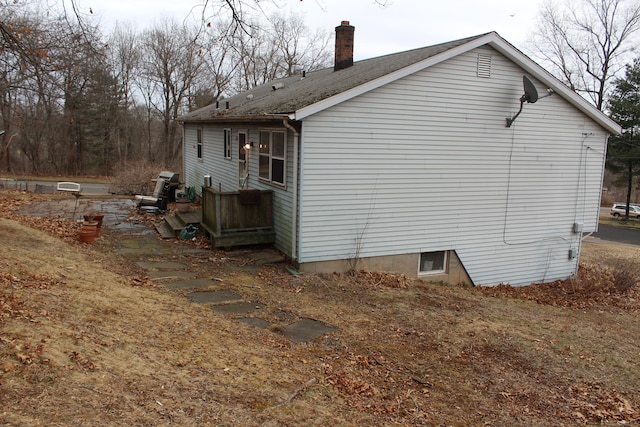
(433, 262)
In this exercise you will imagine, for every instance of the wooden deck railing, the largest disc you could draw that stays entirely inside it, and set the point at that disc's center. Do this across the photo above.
(238, 218)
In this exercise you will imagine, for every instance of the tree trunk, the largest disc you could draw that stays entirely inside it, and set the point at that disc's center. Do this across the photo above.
(629, 187)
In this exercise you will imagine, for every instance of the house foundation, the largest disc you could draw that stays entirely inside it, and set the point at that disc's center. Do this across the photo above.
(407, 264)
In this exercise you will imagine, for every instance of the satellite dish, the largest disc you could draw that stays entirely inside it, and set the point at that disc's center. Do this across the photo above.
(530, 92)
(530, 96)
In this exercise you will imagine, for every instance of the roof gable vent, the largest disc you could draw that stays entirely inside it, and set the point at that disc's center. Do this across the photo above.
(484, 65)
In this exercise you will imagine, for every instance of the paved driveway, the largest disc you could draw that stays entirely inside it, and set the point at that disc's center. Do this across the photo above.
(618, 234)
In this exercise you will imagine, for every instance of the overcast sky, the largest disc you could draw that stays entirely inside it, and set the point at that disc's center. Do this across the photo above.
(399, 26)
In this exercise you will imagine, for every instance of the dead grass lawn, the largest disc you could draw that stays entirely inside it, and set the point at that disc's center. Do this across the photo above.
(88, 340)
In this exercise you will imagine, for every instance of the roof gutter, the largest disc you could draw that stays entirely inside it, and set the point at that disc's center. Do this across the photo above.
(226, 118)
(294, 211)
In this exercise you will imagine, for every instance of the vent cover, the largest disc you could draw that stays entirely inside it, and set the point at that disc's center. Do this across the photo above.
(484, 65)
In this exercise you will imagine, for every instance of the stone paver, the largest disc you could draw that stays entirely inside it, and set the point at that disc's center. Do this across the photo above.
(306, 330)
(160, 265)
(239, 307)
(171, 275)
(192, 283)
(115, 210)
(217, 297)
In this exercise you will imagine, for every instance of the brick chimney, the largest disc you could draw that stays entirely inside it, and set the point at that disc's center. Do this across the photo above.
(344, 46)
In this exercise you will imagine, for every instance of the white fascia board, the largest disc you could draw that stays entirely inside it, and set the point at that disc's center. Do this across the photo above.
(386, 79)
(506, 49)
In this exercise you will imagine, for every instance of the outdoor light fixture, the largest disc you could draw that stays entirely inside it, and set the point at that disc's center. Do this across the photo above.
(248, 145)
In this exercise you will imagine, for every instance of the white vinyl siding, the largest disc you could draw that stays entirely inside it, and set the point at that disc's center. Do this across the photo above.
(282, 196)
(225, 174)
(426, 164)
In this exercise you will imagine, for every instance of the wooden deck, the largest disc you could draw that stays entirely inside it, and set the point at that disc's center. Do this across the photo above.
(238, 218)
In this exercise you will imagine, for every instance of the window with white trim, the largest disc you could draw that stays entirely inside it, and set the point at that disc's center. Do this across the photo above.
(227, 143)
(199, 143)
(272, 150)
(433, 262)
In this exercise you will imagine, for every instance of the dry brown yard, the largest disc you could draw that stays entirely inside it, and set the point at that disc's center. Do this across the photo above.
(86, 339)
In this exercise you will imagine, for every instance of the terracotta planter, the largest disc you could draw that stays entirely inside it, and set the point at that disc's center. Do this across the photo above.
(87, 236)
(88, 231)
(95, 218)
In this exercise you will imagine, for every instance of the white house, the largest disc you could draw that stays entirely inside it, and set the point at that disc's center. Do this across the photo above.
(406, 163)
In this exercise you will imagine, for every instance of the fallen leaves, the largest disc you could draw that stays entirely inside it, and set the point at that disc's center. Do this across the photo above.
(595, 404)
(405, 352)
(11, 304)
(11, 201)
(594, 285)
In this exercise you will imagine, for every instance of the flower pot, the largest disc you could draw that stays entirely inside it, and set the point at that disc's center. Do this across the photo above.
(87, 236)
(89, 231)
(95, 218)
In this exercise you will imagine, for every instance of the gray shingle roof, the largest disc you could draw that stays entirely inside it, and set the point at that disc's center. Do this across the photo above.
(298, 92)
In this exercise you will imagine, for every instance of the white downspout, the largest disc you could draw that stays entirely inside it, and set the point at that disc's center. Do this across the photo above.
(294, 213)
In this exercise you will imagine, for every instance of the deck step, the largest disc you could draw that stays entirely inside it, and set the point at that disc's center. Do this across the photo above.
(174, 223)
(193, 216)
(165, 231)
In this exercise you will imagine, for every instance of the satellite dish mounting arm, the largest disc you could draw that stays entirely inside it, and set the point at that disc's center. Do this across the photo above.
(513, 119)
(530, 96)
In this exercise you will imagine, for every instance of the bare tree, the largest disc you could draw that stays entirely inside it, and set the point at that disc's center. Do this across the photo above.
(297, 48)
(172, 61)
(240, 9)
(124, 54)
(585, 42)
(217, 50)
(283, 47)
(74, 102)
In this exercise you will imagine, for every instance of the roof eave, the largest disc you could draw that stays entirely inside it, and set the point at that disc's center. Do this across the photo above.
(492, 39)
(508, 50)
(249, 118)
(391, 77)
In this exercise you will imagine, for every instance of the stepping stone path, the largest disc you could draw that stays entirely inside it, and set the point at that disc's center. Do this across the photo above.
(306, 330)
(190, 284)
(139, 242)
(165, 275)
(228, 302)
(219, 296)
(242, 307)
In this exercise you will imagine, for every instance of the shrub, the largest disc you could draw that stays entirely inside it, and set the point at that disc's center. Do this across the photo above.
(135, 178)
(625, 273)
